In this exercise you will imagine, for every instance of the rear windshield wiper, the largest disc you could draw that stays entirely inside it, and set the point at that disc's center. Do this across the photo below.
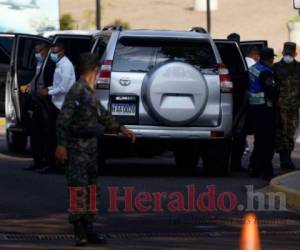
(138, 70)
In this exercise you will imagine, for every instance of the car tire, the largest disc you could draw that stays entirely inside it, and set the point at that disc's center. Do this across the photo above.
(16, 142)
(187, 157)
(216, 158)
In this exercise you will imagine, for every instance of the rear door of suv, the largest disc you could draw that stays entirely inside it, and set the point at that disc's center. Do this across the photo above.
(21, 71)
(134, 59)
(233, 58)
(6, 45)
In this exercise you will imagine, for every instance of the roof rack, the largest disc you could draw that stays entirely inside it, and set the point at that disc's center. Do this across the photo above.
(198, 29)
(112, 27)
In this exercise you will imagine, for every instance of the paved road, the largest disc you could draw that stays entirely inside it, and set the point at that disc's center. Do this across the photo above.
(32, 209)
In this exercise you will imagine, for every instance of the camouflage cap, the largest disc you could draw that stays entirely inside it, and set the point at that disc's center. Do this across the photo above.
(289, 48)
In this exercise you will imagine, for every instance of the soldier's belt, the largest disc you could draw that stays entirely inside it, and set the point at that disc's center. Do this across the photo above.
(83, 135)
(86, 133)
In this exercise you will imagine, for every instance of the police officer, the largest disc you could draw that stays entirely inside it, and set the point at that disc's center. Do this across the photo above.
(79, 125)
(287, 77)
(36, 119)
(262, 101)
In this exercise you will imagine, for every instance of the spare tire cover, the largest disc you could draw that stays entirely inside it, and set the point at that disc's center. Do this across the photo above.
(174, 93)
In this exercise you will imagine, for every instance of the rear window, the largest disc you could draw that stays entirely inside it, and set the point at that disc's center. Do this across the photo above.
(141, 55)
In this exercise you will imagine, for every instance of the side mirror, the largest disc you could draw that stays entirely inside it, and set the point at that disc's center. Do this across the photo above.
(297, 4)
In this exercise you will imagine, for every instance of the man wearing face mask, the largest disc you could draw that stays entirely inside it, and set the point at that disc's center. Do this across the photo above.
(35, 128)
(63, 79)
(287, 76)
(79, 125)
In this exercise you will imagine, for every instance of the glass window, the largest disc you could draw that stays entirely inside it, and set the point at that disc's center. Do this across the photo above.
(196, 53)
(140, 55)
(231, 57)
(6, 44)
(26, 60)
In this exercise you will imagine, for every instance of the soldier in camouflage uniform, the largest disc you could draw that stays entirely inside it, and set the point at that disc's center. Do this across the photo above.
(79, 125)
(287, 77)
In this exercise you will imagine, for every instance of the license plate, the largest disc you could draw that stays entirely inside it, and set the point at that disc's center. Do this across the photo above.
(123, 109)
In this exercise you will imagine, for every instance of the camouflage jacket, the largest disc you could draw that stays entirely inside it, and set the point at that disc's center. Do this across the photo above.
(82, 116)
(287, 77)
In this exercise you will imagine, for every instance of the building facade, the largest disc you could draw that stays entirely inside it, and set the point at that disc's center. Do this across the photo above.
(255, 19)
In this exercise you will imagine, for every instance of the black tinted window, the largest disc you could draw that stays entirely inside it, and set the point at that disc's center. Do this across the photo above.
(231, 57)
(6, 44)
(26, 60)
(101, 44)
(74, 47)
(246, 46)
(133, 55)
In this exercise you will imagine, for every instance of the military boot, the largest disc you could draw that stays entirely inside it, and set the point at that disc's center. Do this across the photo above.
(80, 234)
(92, 236)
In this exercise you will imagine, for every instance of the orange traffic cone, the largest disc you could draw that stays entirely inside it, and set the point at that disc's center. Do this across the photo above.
(250, 239)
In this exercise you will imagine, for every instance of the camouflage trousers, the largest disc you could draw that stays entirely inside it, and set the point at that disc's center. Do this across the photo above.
(286, 129)
(82, 174)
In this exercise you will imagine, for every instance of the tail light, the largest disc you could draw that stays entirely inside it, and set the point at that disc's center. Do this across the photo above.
(217, 134)
(103, 80)
(225, 79)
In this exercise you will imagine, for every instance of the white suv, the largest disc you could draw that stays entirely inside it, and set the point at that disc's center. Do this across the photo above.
(172, 89)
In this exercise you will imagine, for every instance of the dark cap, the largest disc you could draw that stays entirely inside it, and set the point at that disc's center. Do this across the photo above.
(234, 37)
(289, 48)
(267, 53)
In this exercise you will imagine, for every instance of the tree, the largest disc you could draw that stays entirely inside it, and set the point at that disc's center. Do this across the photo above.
(67, 22)
(119, 22)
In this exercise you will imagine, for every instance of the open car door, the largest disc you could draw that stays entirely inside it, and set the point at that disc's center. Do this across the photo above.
(6, 45)
(245, 45)
(233, 58)
(21, 71)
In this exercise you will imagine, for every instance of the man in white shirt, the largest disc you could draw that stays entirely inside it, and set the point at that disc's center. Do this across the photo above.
(252, 56)
(64, 76)
(63, 79)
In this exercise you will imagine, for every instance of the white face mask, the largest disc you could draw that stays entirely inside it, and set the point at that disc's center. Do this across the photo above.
(288, 59)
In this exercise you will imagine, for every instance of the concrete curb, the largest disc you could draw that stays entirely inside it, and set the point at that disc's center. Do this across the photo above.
(292, 195)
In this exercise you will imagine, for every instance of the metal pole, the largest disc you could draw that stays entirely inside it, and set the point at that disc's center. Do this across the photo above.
(98, 14)
(208, 15)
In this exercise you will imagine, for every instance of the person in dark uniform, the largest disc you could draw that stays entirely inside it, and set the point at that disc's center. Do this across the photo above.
(36, 117)
(80, 123)
(234, 37)
(262, 101)
(287, 77)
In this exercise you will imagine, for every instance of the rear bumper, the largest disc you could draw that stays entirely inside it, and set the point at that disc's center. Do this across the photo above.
(182, 133)
(191, 133)
(172, 133)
